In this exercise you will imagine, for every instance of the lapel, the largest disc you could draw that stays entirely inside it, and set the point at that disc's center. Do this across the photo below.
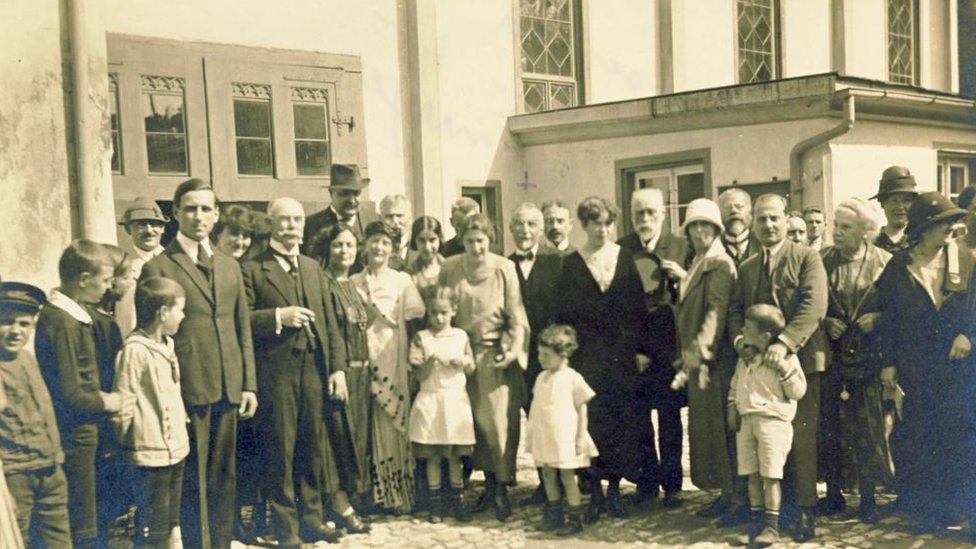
(785, 255)
(309, 273)
(180, 257)
(277, 277)
(707, 264)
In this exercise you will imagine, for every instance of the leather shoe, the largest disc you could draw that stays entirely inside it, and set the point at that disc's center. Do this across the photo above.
(831, 505)
(672, 500)
(805, 526)
(503, 509)
(484, 501)
(737, 515)
(715, 509)
(538, 497)
(325, 532)
(616, 507)
(868, 514)
(354, 524)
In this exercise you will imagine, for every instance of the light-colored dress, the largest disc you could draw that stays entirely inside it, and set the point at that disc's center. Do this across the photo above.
(441, 414)
(554, 418)
(396, 300)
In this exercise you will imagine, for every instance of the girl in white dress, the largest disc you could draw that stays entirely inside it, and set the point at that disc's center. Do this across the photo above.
(558, 438)
(441, 422)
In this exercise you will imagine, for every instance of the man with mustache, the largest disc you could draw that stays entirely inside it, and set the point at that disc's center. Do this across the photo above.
(896, 191)
(346, 187)
(558, 224)
(144, 222)
(736, 207)
(790, 276)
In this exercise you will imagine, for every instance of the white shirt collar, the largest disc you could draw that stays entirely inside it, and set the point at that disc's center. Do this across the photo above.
(192, 247)
(562, 246)
(280, 248)
(144, 255)
(775, 248)
(69, 306)
(534, 251)
(352, 220)
(652, 243)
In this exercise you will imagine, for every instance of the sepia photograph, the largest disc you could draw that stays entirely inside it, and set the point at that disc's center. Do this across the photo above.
(487, 274)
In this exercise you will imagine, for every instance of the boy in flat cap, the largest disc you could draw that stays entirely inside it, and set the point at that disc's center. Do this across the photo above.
(30, 446)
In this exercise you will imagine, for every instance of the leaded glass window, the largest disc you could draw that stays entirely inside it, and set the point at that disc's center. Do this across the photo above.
(902, 24)
(310, 108)
(756, 39)
(549, 54)
(252, 129)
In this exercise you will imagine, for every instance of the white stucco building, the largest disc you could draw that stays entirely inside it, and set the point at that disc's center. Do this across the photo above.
(109, 100)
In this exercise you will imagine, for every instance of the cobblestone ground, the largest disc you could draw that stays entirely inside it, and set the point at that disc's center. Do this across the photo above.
(653, 526)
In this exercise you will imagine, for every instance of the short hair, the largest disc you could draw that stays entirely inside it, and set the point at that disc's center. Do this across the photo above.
(281, 202)
(794, 214)
(441, 293)
(82, 256)
(812, 209)
(867, 215)
(466, 204)
(381, 228)
(479, 222)
(391, 200)
(772, 197)
(236, 218)
(322, 240)
(425, 223)
(189, 186)
(529, 207)
(594, 207)
(152, 294)
(645, 192)
(118, 258)
(767, 318)
(550, 204)
(732, 192)
(561, 338)
(966, 197)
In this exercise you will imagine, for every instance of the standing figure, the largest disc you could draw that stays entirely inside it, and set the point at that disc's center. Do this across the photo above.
(395, 211)
(461, 210)
(558, 225)
(796, 228)
(346, 188)
(896, 191)
(426, 237)
(234, 232)
(739, 241)
(816, 224)
(144, 222)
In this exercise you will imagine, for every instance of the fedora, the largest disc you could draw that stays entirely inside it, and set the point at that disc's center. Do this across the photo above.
(346, 176)
(896, 179)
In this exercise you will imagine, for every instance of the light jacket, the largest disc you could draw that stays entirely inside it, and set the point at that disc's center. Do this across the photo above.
(153, 431)
(759, 389)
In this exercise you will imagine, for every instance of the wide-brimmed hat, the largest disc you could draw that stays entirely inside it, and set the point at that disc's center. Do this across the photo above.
(703, 209)
(896, 179)
(346, 176)
(929, 209)
(19, 296)
(143, 209)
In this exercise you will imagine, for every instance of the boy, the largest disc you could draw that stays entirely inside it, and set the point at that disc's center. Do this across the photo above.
(762, 403)
(29, 443)
(68, 357)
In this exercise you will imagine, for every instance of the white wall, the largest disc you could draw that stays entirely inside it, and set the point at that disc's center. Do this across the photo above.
(865, 32)
(703, 44)
(806, 37)
(622, 53)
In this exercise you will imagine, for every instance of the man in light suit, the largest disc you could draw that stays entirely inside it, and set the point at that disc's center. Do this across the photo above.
(660, 259)
(216, 359)
(346, 188)
(299, 357)
(792, 277)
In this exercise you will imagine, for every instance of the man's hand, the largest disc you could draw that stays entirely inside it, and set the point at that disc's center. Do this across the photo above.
(834, 327)
(296, 317)
(118, 401)
(673, 269)
(249, 405)
(888, 377)
(503, 360)
(960, 347)
(866, 322)
(733, 419)
(775, 354)
(337, 386)
(643, 362)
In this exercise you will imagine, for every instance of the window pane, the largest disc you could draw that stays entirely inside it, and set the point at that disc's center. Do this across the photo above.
(165, 132)
(166, 153)
(561, 96)
(252, 118)
(901, 41)
(547, 47)
(312, 157)
(163, 113)
(756, 40)
(310, 122)
(957, 179)
(534, 95)
(113, 101)
(254, 157)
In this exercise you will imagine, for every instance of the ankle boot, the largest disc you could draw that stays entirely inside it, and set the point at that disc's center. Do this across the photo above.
(757, 520)
(503, 509)
(435, 509)
(487, 499)
(770, 532)
(806, 526)
(596, 502)
(459, 507)
(574, 521)
(553, 519)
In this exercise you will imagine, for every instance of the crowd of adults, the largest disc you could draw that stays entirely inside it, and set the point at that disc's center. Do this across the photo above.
(294, 370)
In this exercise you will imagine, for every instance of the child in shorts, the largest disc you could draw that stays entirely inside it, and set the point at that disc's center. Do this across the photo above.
(762, 403)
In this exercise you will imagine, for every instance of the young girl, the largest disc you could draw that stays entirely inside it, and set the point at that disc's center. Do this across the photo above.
(441, 423)
(557, 433)
(153, 431)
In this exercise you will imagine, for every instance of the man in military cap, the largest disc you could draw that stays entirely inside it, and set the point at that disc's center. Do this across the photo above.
(345, 187)
(896, 190)
(144, 222)
(31, 450)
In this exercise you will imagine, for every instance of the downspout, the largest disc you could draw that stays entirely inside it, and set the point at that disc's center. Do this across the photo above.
(796, 154)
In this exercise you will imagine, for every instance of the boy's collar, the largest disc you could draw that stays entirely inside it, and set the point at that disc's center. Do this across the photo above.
(70, 306)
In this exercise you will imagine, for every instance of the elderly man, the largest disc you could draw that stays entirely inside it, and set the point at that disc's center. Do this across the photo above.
(816, 224)
(896, 191)
(346, 188)
(796, 228)
(461, 210)
(559, 223)
(736, 207)
(299, 358)
(396, 212)
(216, 359)
(660, 259)
(144, 222)
(792, 277)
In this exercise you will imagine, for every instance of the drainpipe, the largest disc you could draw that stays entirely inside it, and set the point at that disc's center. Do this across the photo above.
(796, 154)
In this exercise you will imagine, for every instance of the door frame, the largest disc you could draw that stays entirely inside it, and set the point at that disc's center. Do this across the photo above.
(491, 190)
(625, 170)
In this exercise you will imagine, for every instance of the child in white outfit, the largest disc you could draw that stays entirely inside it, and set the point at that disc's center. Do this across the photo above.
(558, 438)
(441, 422)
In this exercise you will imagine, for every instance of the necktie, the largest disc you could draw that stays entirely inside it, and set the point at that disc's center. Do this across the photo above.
(527, 256)
(205, 262)
(766, 263)
(293, 265)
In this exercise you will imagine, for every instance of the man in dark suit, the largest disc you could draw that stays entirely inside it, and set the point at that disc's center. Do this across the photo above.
(462, 209)
(660, 258)
(791, 277)
(538, 270)
(298, 358)
(346, 188)
(736, 207)
(216, 359)
(397, 212)
(559, 223)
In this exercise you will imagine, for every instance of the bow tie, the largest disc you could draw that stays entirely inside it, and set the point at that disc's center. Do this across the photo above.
(527, 256)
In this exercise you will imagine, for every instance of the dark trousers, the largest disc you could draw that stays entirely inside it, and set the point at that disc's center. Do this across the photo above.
(656, 393)
(158, 503)
(79, 469)
(210, 477)
(296, 446)
(41, 496)
(800, 474)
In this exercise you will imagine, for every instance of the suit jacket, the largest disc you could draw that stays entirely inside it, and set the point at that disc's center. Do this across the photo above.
(799, 284)
(268, 287)
(327, 217)
(213, 344)
(539, 298)
(752, 247)
(546, 247)
(453, 246)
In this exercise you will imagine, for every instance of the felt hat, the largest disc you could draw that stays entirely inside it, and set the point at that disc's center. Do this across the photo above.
(346, 176)
(703, 209)
(143, 209)
(18, 296)
(896, 179)
(929, 209)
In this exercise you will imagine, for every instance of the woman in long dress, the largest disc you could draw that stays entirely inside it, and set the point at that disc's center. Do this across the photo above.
(391, 300)
(602, 298)
(490, 310)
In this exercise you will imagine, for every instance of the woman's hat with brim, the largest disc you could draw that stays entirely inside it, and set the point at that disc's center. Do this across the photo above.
(703, 209)
(896, 179)
(930, 209)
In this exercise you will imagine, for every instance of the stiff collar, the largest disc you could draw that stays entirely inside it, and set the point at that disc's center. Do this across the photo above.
(651, 244)
(736, 240)
(774, 249)
(192, 247)
(352, 219)
(280, 248)
(146, 256)
(69, 306)
(562, 246)
(534, 251)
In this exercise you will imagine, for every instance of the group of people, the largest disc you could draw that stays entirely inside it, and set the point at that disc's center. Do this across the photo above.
(319, 370)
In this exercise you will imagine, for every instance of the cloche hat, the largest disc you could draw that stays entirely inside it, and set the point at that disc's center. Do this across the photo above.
(703, 209)
(928, 209)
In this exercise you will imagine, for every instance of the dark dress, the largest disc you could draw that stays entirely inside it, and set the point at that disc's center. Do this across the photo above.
(917, 337)
(607, 323)
(853, 444)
